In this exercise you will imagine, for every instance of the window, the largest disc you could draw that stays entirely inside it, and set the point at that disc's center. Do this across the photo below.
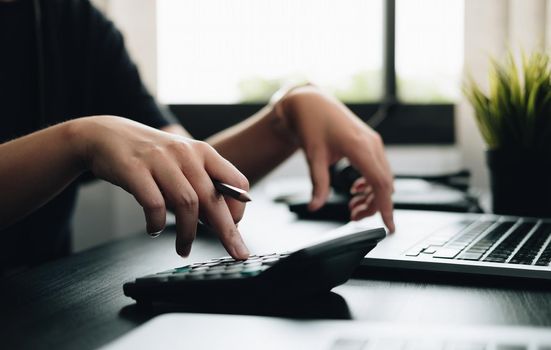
(429, 50)
(219, 51)
(226, 57)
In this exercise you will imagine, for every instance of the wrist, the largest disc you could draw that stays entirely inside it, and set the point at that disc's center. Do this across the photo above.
(280, 121)
(283, 107)
(75, 133)
(295, 101)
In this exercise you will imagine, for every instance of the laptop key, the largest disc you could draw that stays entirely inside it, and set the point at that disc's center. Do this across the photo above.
(456, 245)
(460, 231)
(502, 252)
(415, 251)
(487, 241)
(477, 250)
(496, 259)
(430, 250)
(527, 253)
(446, 253)
(545, 257)
(471, 256)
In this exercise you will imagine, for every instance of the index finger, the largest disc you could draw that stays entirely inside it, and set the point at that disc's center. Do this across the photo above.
(216, 212)
(220, 219)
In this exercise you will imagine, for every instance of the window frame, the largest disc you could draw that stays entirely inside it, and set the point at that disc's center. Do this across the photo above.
(398, 123)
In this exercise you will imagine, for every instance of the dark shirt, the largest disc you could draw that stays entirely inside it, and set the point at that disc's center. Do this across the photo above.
(86, 71)
(17, 70)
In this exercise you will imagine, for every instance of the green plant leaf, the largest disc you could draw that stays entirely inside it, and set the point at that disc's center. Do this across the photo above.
(516, 112)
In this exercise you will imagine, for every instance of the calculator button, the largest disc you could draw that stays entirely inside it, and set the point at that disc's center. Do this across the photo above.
(181, 269)
(271, 256)
(233, 270)
(270, 261)
(256, 270)
(232, 275)
(213, 274)
(253, 270)
(250, 273)
(218, 268)
(188, 276)
(199, 268)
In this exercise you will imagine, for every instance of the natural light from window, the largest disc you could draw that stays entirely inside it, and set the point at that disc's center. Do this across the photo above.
(217, 51)
(429, 50)
(220, 51)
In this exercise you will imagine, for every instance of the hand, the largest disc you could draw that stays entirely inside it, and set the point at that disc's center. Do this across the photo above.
(327, 131)
(362, 198)
(165, 170)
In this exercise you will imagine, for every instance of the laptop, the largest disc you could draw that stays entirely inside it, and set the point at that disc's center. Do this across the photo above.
(465, 243)
(208, 331)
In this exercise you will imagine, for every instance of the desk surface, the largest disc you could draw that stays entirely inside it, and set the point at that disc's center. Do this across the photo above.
(78, 302)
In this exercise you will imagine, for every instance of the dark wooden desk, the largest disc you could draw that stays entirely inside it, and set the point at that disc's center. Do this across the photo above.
(78, 302)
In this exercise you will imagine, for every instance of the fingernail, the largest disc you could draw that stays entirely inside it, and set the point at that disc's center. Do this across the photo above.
(391, 227)
(186, 251)
(355, 190)
(241, 250)
(314, 205)
(155, 234)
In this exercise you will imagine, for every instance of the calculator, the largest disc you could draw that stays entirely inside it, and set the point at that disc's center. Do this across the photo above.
(312, 268)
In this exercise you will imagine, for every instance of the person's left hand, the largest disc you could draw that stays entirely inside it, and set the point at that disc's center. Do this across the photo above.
(327, 131)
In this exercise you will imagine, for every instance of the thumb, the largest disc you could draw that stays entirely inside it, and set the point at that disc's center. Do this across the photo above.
(319, 173)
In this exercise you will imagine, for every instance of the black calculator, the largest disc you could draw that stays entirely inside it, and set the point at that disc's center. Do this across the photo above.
(313, 268)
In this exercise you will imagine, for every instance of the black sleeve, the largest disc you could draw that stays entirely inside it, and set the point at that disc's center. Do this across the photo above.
(114, 84)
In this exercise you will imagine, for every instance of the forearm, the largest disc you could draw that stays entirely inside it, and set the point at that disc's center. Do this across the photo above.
(256, 145)
(34, 169)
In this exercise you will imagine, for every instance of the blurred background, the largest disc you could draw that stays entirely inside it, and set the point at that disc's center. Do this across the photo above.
(215, 62)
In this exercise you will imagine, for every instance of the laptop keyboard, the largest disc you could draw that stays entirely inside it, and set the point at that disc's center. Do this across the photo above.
(502, 240)
(436, 344)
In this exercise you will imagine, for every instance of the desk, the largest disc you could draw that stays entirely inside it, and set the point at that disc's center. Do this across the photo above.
(77, 302)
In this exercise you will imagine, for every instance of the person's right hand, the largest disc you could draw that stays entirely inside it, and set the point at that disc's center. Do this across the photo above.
(164, 170)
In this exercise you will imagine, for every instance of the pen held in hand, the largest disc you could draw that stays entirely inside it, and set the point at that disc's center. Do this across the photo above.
(232, 191)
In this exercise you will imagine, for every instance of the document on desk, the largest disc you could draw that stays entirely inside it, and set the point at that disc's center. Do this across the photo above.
(210, 331)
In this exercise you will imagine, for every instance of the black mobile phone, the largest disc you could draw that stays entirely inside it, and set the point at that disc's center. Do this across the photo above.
(316, 267)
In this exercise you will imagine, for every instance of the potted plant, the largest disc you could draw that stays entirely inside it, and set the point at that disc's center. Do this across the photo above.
(514, 119)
